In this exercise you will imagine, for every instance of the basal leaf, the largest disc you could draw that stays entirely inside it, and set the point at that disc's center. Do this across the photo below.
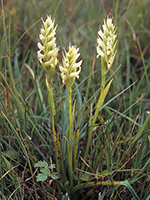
(41, 164)
(41, 177)
(54, 175)
(45, 171)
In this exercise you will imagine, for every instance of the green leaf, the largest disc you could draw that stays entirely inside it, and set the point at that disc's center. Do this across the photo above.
(148, 197)
(7, 164)
(85, 177)
(30, 70)
(117, 96)
(41, 164)
(99, 196)
(107, 88)
(45, 171)
(130, 188)
(52, 166)
(12, 154)
(104, 173)
(142, 128)
(54, 175)
(41, 177)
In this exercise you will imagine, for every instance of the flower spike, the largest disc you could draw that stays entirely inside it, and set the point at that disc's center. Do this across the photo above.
(47, 54)
(107, 42)
(70, 69)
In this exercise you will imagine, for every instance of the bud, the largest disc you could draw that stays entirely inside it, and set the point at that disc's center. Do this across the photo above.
(47, 54)
(70, 69)
(107, 42)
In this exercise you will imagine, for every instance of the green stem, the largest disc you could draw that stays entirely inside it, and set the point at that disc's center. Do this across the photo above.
(99, 105)
(57, 146)
(75, 151)
(101, 98)
(69, 145)
(53, 113)
(79, 187)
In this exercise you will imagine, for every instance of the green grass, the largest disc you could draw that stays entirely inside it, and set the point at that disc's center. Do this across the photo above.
(119, 150)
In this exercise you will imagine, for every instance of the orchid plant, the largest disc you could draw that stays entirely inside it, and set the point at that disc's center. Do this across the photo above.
(47, 55)
(106, 50)
(69, 71)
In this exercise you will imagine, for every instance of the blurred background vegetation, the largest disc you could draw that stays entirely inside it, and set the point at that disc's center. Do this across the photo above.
(23, 95)
(78, 23)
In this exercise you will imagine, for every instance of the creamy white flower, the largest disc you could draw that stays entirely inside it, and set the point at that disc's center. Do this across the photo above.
(70, 69)
(48, 51)
(107, 42)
